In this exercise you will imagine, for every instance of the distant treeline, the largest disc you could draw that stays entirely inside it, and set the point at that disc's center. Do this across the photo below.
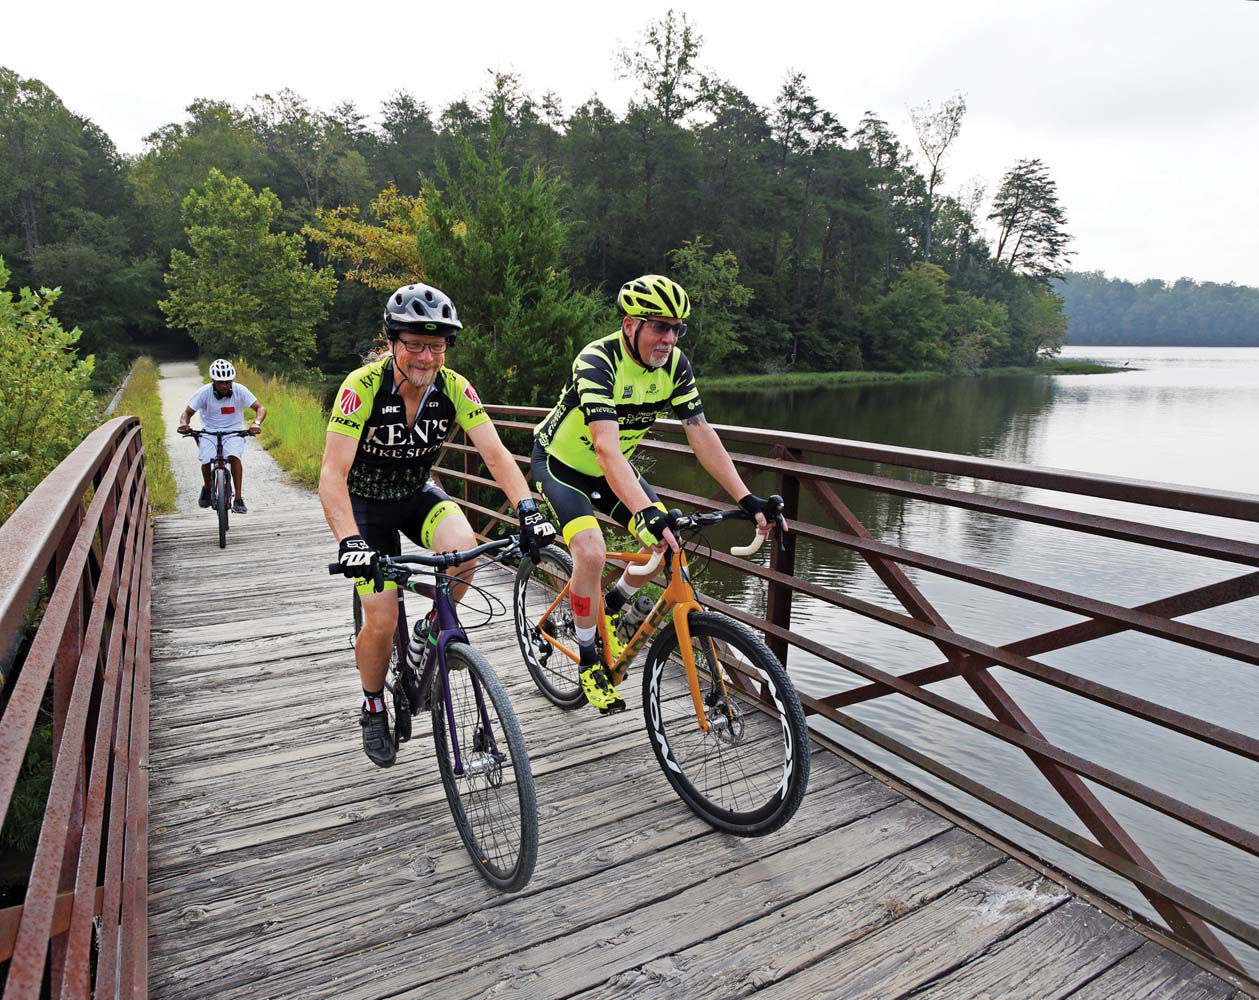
(1102, 310)
(808, 244)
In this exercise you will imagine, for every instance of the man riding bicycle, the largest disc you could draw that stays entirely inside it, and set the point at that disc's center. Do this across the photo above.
(389, 421)
(221, 402)
(582, 450)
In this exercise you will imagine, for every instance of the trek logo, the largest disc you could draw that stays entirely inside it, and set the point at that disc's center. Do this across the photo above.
(471, 394)
(349, 402)
(343, 422)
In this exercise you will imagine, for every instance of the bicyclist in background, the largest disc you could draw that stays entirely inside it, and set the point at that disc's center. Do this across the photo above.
(221, 403)
(581, 453)
(390, 419)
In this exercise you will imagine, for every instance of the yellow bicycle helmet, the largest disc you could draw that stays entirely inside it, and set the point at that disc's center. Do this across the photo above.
(654, 295)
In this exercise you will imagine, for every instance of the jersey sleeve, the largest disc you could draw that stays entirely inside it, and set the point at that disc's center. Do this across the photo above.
(247, 398)
(593, 378)
(353, 404)
(197, 400)
(685, 399)
(469, 412)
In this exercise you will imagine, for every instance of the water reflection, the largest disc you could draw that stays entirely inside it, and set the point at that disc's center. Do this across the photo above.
(1186, 416)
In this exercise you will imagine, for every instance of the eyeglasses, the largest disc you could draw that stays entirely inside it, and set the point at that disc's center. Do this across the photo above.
(436, 350)
(659, 327)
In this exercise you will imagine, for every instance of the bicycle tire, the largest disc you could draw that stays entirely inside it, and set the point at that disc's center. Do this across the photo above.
(535, 588)
(749, 773)
(223, 500)
(504, 849)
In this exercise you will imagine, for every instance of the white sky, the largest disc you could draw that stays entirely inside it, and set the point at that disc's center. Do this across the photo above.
(1145, 111)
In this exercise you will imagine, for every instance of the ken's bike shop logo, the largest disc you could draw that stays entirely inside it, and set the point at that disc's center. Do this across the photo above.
(399, 441)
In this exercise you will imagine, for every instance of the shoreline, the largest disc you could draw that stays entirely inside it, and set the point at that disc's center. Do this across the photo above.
(822, 380)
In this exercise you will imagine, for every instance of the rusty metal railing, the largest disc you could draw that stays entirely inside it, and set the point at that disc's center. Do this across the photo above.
(79, 550)
(797, 461)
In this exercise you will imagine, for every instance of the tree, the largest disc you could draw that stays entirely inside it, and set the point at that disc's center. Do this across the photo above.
(1032, 238)
(381, 254)
(717, 298)
(906, 329)
(936, 129)
(48, 406)
(245, 290)
(665, 66)
(178, 156)
(495, 245)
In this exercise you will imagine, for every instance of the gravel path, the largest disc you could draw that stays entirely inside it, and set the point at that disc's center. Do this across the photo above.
(265, 484)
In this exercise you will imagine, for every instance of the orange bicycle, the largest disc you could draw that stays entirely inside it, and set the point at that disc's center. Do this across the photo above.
(723, 717)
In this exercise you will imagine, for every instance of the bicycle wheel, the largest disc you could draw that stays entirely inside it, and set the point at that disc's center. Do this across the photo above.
(222, 500)
(748, 773)
(490, 787)
(536, 586)
(400, 707)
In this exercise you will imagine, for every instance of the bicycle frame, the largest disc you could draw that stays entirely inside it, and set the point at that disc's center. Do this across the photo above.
(433, 657)
(678, 595)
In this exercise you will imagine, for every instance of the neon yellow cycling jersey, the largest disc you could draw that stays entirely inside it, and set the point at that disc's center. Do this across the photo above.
(393, 460)
(607, 384)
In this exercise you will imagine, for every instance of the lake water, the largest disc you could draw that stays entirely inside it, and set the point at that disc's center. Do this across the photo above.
(1178, 415)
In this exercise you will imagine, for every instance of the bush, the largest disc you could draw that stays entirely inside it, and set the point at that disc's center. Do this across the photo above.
(48, 403)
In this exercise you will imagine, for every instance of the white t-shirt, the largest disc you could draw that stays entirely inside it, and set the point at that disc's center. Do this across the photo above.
(222, 414)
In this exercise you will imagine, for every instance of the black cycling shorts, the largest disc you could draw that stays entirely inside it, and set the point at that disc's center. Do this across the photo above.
(576, 496)
(416, 516)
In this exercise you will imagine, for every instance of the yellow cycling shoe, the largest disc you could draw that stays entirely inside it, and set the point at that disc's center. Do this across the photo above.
(599, 690)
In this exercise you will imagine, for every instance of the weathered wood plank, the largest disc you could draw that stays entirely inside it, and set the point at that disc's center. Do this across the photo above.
(838, 907)
(464, 954)
(928, 941)
(1154, 973)
(1045, 960)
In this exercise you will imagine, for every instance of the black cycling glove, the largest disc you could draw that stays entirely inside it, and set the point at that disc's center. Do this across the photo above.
(357, 558)
(753, 505)
(649, 525)
(535, 530)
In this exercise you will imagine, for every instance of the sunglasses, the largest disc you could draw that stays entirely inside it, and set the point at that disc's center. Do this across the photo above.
(660, 327)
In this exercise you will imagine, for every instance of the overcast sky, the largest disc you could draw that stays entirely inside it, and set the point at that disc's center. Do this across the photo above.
(1145, 111)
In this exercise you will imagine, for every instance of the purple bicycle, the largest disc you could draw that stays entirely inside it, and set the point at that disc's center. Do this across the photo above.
(480, 750)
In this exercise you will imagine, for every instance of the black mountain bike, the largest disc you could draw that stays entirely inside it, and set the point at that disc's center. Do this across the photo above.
(220, 477)
(480, 750)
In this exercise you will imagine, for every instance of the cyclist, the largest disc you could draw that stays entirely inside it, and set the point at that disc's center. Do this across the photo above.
(221, 402)
(582, 449)
(390, 419)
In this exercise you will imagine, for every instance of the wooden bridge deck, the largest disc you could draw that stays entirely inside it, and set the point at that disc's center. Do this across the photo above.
(283, 864)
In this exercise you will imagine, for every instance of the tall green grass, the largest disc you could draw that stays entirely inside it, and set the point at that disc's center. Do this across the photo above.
(296, 424)
(142, 400)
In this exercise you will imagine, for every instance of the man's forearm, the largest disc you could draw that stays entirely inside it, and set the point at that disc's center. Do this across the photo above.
(716, 461)
(507, 474)
(623, 480)
(335, 498)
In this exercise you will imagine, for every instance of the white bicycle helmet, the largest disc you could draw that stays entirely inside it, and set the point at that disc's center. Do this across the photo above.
(222, 370)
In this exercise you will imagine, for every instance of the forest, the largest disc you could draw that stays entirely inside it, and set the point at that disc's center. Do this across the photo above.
(1102, 310)
(268, 231)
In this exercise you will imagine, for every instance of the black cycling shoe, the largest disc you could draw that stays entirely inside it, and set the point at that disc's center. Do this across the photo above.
(238, 506)
(204, 499)
(377, 741)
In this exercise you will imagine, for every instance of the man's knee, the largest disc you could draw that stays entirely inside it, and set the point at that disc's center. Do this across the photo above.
(588, 547)
(380, 611)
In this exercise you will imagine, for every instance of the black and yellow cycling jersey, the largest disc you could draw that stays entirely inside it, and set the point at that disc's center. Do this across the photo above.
(607, 384)
(393, 460)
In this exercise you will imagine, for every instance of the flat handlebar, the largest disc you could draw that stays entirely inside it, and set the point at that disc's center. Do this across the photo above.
(438, 560)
